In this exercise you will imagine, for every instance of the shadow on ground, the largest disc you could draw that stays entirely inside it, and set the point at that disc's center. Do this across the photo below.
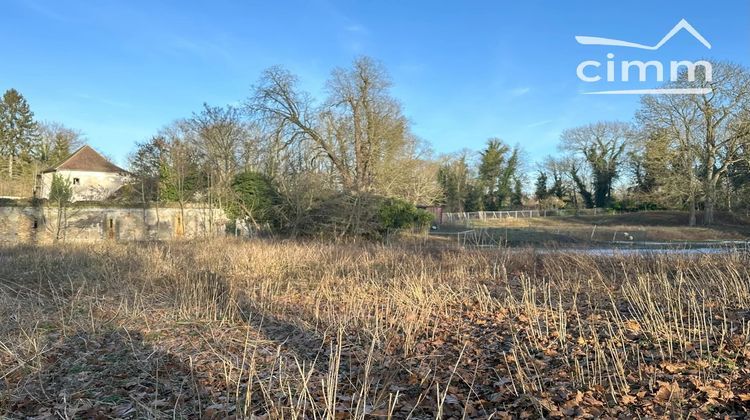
(112, 374)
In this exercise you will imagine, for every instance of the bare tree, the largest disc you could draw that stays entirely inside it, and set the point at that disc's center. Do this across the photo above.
(358, 129)
(709, 130)
(455, 177)
(659, 170)
(365, 123)
(181, 172)
(721, 127)
(57, 142)
(218, 133)
(294, 139)
(413, 177)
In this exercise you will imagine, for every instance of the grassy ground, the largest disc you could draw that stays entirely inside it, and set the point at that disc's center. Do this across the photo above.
(261, 329)
(642, 226)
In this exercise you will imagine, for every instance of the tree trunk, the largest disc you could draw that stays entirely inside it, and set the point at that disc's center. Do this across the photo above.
(729, 195)
(691, 221)
(711, 184)
(708, 216)
(59, 221)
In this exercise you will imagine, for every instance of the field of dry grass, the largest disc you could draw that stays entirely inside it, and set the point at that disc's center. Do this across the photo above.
(294, 330)
(640, 226)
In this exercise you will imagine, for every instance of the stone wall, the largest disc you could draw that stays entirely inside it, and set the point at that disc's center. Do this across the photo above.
(89, 224)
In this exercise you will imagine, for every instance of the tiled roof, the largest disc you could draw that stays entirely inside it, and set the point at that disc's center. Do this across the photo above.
(86, 159)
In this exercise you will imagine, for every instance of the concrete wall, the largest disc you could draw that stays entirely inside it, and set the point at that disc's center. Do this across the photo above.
(90, 224)
(90, 186)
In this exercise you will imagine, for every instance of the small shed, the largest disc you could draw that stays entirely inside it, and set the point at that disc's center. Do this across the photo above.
(437, 212)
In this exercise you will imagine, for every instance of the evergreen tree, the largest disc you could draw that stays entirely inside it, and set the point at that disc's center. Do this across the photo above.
(61, 149)
(254, 198)
(516, 199)
(496, 173)
(558, 187)
(18, 130)
(541, 191)
(474, 198)
(506, 187)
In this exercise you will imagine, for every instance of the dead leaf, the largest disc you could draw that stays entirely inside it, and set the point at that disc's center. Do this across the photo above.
(632, 325)
(668, 391)
(629, 399)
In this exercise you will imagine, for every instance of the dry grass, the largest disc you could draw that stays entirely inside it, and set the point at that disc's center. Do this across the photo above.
(640, 226)
(318, 330)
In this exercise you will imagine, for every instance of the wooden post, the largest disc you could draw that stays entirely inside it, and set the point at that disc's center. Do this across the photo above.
(111, 227)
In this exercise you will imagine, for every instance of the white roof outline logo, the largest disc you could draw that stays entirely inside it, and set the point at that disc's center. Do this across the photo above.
(683, 24)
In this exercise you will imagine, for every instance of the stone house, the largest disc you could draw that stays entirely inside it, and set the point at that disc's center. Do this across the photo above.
(92, 176)
(95, 216)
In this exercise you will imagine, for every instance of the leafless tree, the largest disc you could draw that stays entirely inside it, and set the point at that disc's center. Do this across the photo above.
(708, 129)
(412, 177)
(181, 170)
(219, 135)
(357, 129)
(293, 137)
(57, 141)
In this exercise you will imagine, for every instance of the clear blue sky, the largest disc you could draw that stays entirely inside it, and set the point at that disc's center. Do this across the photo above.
(464, 70)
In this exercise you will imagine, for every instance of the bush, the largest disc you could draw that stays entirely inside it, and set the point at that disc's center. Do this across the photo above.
(337, 215)
(632, 205)
(399, 214)
(254, 198)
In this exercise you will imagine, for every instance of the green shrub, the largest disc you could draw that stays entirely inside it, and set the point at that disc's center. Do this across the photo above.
(254, 198)
(399, 214)
(340, 215)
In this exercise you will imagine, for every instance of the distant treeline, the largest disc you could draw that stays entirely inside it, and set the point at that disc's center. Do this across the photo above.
(349, 163)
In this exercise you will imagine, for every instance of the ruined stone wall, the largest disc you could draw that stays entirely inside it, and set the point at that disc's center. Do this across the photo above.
(90, 224)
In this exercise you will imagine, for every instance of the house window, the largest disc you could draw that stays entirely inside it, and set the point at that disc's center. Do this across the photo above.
(76, 181)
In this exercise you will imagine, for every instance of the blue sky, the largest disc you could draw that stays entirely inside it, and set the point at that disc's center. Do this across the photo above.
(464, 70)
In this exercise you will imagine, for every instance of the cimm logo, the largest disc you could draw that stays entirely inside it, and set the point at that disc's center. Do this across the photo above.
(590, 71)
